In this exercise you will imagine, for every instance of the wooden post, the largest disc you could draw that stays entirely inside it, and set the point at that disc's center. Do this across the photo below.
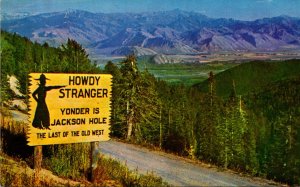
(2, 126)
(38, 155)
(91, 177)
(160, 129)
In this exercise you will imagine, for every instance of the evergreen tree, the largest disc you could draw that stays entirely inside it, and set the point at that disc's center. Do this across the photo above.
(118, 127)
(7, 68)
(75, 58)
(209, 116)
(148, 127)
(138, 99)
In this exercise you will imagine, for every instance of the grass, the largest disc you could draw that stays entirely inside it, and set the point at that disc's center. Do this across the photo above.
(14, 174)
(70, 161)
(110, 168)
(183, 73)
(18, 173)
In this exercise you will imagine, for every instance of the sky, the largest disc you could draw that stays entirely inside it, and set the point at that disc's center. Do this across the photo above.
(236, 9)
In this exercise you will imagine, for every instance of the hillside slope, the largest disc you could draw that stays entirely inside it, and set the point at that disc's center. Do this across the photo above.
(278, 108)
(252, 76)
(15, 173)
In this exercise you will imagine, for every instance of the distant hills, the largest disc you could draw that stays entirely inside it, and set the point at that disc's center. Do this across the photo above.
(165, 32)
(252, 77)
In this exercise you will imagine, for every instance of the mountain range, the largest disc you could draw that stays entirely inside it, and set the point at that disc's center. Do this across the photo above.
(164, 32)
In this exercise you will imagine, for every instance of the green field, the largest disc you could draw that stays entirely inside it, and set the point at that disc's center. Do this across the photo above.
(187, 74)
(183, 73)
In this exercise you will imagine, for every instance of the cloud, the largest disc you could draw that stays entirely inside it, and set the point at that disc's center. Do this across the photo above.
(202, 11)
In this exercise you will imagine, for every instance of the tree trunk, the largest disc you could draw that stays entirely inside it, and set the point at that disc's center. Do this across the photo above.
(129, 122)
(129, 131)
(160, 130)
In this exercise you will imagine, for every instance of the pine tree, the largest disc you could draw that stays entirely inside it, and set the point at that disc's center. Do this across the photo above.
(117, 124)
(8, 66)
(148, 110)
(75, 57)
(128, 86)
(138, 99)
(208, 119)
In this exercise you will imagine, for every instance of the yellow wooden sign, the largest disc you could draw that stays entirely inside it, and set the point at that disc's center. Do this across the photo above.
(69, 108)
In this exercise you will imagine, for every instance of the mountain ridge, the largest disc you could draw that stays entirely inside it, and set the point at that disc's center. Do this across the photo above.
(164, 32)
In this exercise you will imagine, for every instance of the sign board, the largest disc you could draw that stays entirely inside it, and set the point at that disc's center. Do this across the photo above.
(69, 108)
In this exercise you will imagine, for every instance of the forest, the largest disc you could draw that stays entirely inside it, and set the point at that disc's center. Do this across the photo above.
(248, 122)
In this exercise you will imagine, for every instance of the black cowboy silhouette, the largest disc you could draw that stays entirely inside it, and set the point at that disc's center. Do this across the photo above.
(42, 117)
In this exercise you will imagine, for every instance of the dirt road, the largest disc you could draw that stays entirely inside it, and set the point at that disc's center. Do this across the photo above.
(174, 170)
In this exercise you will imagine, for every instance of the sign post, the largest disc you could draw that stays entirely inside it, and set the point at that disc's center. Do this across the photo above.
(91, 177)
(37, 164)
(68, 108)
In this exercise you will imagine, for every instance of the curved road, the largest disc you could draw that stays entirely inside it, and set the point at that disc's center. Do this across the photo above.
(174, 170)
